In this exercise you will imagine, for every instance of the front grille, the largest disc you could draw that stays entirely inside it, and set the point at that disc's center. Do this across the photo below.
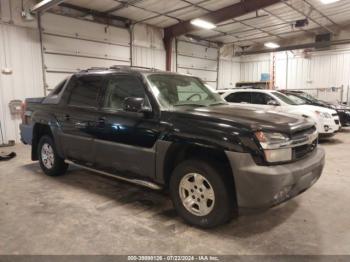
(304, 132)
(301, 151)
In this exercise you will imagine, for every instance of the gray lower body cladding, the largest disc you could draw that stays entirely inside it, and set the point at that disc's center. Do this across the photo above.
(260, 187)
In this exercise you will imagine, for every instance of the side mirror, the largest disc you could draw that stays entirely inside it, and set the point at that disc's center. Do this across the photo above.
(136, 104)
(273, 103)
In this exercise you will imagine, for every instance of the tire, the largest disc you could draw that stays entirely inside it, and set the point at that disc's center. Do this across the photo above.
(50, 162)
(217, 210)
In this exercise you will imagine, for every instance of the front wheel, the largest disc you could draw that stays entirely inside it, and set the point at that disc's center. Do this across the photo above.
(202, 194)
(50, 162)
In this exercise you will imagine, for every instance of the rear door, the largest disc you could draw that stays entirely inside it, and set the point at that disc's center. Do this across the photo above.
(79, 116)
(126, 140)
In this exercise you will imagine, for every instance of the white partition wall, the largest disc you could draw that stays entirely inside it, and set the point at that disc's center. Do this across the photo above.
(199, 60)
(71, 44)
(20, 55)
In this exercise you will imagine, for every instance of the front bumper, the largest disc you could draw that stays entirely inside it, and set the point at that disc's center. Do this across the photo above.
(328, 126)
(260, 187)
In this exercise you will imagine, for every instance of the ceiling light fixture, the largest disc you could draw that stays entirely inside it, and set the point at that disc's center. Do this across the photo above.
(326, 2)
(271, 45)
(202, 23)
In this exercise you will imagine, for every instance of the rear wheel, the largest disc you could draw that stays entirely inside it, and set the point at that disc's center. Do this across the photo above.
(202, 194)
(50, 162)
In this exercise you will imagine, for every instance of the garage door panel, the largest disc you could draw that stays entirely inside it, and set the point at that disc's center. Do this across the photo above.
(198, 60)
(54, 44)
(71, 44)
(67, 26)
(196, 50)
(67, 63)
(197, 63)
(207, 76)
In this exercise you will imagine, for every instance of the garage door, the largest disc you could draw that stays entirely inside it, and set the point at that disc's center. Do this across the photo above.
(199, 60)
(71, 44)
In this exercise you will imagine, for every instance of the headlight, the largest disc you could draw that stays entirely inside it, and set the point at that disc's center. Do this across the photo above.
(272, 144)
(323, 114)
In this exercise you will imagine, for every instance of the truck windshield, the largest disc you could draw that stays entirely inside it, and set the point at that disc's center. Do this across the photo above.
(178, 90)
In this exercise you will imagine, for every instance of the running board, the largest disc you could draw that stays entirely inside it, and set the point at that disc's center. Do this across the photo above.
(134, 181)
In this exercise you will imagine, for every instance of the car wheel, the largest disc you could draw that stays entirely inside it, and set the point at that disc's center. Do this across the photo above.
(50, 162)
(201, 194)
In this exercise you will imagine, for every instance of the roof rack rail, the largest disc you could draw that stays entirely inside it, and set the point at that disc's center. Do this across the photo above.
(125, 67)
(94, 68)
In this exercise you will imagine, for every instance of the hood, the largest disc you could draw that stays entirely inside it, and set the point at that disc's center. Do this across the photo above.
(249, 116)
(311, 109)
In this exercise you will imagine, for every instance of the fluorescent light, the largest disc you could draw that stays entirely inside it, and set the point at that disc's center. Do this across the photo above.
(326, 2)
(271, 45)
(202, 23)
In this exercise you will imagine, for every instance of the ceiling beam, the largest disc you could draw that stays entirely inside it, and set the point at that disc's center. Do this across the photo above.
(296, 47)
(45, 5)
(220, 15)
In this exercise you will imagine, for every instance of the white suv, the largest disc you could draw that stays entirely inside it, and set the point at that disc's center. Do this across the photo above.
(327, 120)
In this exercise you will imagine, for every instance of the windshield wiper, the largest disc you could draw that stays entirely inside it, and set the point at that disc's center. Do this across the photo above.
(218, 103)
(189, 105)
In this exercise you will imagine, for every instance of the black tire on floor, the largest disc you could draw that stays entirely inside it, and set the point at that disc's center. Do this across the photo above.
(59, 167)
(224, 204)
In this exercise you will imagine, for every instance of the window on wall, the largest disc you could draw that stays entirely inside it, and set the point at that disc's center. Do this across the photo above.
(85, 92)
(120, 87)
(239, 97)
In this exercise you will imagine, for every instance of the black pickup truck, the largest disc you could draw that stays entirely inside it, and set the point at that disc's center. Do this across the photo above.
(169, 131)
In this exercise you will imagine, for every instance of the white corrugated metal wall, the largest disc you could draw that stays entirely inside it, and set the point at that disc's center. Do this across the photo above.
(19, 52)
(253, 66)
(229, 72)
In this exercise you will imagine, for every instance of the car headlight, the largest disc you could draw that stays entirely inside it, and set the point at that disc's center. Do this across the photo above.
(323, 114)
(273, 144)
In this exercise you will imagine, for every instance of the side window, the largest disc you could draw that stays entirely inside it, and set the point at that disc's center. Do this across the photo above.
(119, 87)
(261, 98)
(85, 92)
(239, 97)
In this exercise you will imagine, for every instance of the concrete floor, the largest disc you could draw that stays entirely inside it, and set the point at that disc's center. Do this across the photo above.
(85, 213)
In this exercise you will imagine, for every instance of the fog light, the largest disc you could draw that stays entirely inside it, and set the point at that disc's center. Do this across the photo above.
(282, 195)
(278, 155)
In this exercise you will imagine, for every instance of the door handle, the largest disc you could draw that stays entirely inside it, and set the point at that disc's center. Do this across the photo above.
(80, 124)
(101, 121)
(67, 117)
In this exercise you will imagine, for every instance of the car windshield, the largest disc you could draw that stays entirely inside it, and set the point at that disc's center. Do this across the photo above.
(178, 90)
(284, 98)
(297, 100)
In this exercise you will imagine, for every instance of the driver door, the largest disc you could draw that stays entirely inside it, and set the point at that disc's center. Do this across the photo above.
(125, 141)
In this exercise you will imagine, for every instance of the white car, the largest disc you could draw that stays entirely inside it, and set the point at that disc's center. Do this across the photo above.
(327, 120)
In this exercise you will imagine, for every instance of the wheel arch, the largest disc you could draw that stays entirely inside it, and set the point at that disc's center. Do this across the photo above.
(178, 152)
